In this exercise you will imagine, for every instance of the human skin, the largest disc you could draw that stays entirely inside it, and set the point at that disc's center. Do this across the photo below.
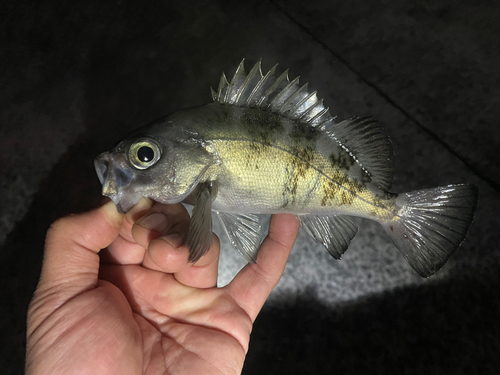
(138, 306)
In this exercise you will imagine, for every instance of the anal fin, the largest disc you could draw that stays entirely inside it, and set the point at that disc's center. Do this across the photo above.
(334, 232)
(244, 233)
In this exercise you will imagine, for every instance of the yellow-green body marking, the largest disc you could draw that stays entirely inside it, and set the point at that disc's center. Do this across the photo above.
(267, 163)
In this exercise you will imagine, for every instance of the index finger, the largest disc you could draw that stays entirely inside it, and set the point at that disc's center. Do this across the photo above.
(163, 232)
(253, 284)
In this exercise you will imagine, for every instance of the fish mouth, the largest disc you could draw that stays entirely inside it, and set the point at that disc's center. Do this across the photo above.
(116, 177)
(102, 169)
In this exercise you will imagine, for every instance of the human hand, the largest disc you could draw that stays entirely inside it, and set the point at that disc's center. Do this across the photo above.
(138, 307)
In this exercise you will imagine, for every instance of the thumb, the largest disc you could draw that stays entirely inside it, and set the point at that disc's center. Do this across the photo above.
(71, 260)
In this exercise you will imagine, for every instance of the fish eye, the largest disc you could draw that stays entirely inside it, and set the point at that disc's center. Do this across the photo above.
(144, 153)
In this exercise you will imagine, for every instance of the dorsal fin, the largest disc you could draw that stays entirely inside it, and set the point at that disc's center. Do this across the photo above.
(277, 95)
(366, 141)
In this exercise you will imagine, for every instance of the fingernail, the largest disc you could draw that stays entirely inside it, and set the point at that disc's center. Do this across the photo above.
(156, 221)
(175, 239)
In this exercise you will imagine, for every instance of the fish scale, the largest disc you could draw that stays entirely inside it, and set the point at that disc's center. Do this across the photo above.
(268, 145)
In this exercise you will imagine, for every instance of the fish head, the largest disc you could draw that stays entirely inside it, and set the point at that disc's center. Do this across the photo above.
(155, 167)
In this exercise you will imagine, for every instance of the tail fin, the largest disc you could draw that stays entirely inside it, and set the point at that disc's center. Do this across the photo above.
(431, 224)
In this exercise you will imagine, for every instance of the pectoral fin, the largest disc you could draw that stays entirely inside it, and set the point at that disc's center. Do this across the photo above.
(200, 230)
(243, 231)
(334, 232)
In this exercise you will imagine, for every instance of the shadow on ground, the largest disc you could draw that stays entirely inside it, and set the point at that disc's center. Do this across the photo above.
(451, 328)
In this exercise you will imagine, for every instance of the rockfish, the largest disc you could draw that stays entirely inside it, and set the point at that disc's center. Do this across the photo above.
(267, 145)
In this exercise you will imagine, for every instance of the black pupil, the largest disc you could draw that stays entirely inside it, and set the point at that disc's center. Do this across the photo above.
(145, 154)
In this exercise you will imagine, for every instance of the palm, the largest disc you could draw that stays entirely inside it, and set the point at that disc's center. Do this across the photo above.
(176, 322)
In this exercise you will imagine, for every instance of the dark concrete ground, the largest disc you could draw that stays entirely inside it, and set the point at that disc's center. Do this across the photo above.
(77, 75)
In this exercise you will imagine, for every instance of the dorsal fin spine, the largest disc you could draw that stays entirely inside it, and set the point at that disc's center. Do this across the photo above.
(251, 75)
(315, 107)
(223, 84)
(318, 115)
(283, 94)
(235, 83)
(261, 85)
(273, 87)
(288, 102)
(295, 110)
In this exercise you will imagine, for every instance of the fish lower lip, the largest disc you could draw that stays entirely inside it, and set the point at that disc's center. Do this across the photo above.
(121, 209)
(115, 199)
(126, 201)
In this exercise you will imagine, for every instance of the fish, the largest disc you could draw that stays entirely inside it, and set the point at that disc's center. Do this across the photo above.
(268, 145)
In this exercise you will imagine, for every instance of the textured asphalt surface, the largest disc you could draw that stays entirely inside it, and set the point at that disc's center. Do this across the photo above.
(76, 76)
